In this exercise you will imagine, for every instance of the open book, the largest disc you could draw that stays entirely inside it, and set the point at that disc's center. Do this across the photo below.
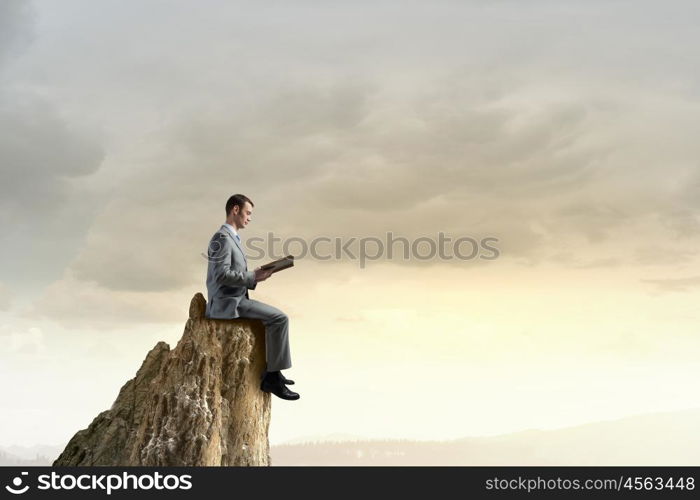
(279, 265)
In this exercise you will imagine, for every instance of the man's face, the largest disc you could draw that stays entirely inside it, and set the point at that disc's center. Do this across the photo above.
(242, 216)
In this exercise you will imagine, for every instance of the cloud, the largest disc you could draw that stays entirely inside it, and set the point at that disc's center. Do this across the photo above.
(40, 153)
(5, 297)
(16, 18)
(80, 304)
(599, 263)
(28, 342)
(165, 214)
(460, 131)
(675, 284)
(348, 159)
(43, 209)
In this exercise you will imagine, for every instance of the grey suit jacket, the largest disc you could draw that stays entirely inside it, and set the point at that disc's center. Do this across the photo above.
(228, 278)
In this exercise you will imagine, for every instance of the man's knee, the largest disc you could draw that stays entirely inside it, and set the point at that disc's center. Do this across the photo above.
(280, 318)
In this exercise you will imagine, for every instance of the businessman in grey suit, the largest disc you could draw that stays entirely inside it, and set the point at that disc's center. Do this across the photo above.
(228, 281)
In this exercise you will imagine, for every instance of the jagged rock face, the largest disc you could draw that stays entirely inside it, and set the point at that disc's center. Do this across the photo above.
(199, 404)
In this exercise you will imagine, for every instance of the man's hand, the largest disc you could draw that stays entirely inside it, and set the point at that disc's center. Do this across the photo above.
(261, 275)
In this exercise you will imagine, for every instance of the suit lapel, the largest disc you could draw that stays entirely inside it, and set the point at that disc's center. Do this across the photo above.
(235, 240)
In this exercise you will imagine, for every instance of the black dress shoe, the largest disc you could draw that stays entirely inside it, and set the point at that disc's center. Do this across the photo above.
(285, 380)
(273, 383)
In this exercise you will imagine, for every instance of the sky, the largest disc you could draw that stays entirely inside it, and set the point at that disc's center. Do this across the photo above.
(566, 130)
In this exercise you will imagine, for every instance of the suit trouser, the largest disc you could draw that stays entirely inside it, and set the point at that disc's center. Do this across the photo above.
(276, 332)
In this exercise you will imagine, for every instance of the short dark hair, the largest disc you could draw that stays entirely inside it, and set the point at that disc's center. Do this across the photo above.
(237, 199)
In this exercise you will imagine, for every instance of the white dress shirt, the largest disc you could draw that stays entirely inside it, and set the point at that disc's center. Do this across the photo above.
(234, 231)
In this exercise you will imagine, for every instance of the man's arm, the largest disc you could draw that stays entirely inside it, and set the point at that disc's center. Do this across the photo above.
(222, 267)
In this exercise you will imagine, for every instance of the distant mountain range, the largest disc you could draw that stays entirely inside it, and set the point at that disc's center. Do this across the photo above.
(29, 455)
(656, 439)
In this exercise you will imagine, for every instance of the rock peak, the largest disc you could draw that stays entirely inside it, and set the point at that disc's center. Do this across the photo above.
(198, 404)
(198, 306)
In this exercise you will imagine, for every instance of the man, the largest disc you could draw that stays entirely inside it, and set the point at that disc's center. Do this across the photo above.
(228, 281)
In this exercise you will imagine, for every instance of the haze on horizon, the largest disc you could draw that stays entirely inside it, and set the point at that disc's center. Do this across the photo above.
(567, 130)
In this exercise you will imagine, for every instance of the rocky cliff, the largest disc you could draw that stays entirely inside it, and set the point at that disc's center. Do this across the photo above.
(198, 404)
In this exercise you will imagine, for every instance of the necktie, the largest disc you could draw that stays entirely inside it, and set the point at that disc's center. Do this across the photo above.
(238, 237)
